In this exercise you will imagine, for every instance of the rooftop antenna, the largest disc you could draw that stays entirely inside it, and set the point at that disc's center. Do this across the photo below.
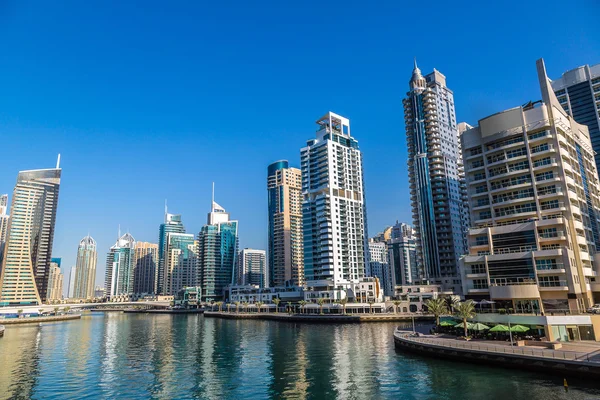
(58, 162)
(212, 204)
(119, 231)
(165, 210)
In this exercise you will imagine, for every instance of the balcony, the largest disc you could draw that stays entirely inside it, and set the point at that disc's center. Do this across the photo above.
(520, 288)
(550, 269)
(553, 286)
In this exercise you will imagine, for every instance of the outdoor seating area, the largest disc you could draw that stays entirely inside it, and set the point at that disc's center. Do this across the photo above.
(499, 332)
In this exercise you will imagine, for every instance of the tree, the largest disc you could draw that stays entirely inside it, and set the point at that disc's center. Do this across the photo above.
(237, 306)
(396, 305)
(465, 310)
(40, 311)
(244, 305)
(276, 301)
(20, 312)
(259, 305)
(302, 304)
(219, 305)
(437, 307)
(371, 302)
(451, 301)
(67, 309)
(320, 302)
(228, 307)
(56, 310)
(343, 303)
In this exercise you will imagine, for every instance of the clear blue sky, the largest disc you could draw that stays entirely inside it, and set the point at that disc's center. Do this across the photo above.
(154, 100)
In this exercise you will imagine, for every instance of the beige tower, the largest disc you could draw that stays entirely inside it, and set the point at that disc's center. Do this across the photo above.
(145, 273)
(85, 269)
(286, 255)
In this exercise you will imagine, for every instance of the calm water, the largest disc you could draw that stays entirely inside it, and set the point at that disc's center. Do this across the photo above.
(134, 356)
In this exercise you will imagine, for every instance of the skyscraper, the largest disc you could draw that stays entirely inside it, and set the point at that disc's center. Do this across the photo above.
(4, 218)
(71, 285)
(172, 224)
(145, 273)
(55, 281)
(181, 266)
(85, 274)
(379, 262)
(333, 208)
(435, 173)
(286, 254)
(26, 262)
(217, 252)
(402, 249)
(578, 92)
(252, 268)
(119, 267)
(534, 192)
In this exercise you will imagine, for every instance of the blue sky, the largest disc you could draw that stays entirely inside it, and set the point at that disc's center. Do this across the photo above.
(154, 100)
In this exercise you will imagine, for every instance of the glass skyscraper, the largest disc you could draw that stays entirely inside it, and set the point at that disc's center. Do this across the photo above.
(180, 262)
(436, 177)
(217, 253)
(28, 250)
(172, 224)
(119, 267)
(85, 269)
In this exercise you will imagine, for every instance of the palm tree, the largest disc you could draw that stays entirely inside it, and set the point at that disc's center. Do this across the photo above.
(320, 302)
(67, 309)
(55, 310)
(371, 302)
(228, 307)
(276, 301)
(396, 305)
(302, 304)
(219, 305)
(343, 303)
(40, 311)
(237, 306)
(465, 310)
(437, 307)
(259, 305)
(245, 305)
(451, 301)
(19, 312)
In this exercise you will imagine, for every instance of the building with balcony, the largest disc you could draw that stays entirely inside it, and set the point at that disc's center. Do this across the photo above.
(55, 281)
(172, 224)
(285, 242)
(534, 199)
(181, 267)
(120, 267)
(379, 264)
(145, 273)
(251, 268)
(436, 178)
(402, 251)
(4, 218)
(578, 92)
(333, 208)
(28, 250)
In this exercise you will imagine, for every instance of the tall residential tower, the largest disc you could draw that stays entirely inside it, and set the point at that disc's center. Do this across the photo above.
(286, 255)
(333, 208)
(172, 224)
(435, 174)
(145, 270)
(85, 269)
(28, 249)
(119, 267)
(252, 268)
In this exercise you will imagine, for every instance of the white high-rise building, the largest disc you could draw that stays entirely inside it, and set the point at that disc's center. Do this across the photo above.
(4, 218)
(333, 207)
(119, 276)
(85, 275)
(436, 178)
(379, 262)
(71, 287)
(251, 268)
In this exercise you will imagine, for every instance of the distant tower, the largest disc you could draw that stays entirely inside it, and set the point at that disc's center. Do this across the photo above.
(217, 252)
(85, 275)
(334, 210)
(119, 267)
(28, 250)
(252, 268)
(55, 280)
(172, 224)
(71, 286)
(286, 255)
(436, 176)
(145, 275)
(180, 262)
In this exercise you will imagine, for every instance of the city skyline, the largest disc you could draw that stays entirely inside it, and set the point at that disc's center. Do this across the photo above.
(40, 118)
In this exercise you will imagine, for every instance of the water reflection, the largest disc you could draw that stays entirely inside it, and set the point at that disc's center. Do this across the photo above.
(114, 355)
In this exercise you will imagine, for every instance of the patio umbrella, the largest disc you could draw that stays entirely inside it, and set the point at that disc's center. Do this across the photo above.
(484, 301)
(479, 327)
(447, 323)
(499, 328)
(519, 328)
(469, 325)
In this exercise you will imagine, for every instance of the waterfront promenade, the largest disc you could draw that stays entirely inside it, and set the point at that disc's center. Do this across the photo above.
(37, 320)
(324, 318)
(572, 359)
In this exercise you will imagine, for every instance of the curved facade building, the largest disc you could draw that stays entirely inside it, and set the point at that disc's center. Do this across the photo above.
(85, 269)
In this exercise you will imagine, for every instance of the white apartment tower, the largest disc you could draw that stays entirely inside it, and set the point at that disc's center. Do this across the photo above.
(333, 208)
(534, 193)
(4, 217)
(435, 176)
(251, 268)
(85, 269)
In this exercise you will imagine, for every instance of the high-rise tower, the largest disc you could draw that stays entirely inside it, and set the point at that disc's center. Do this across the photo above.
(27, 254)
(251, 268)
(333, 208)
(286, 255)
(435, 175)
(4, 218)
(119, 267)
(145, 268)
(85, 269)
(578, 92)
(217, 252)
(172, 224)
(181, 267)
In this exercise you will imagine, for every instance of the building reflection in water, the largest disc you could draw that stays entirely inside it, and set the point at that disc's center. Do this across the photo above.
(19, 361)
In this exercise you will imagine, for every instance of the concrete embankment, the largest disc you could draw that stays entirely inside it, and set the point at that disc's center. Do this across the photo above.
(564, 363)
(325, 318)
(191, 311)
(37, 320)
